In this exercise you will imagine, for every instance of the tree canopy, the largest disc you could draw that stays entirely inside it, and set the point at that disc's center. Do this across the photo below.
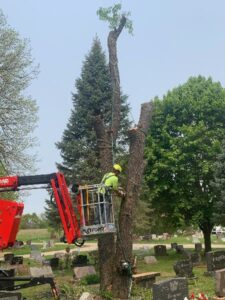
(17, 111)
(113, 16)
(185, 137)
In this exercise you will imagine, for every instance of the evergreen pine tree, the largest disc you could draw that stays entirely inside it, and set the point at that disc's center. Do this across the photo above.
(78, 147)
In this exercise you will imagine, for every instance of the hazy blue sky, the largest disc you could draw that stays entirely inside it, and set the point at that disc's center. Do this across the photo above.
(172, 41)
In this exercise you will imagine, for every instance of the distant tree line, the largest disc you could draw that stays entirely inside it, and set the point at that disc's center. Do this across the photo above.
(33, 221)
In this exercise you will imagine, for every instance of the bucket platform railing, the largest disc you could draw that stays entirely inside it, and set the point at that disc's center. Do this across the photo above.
(96, 209)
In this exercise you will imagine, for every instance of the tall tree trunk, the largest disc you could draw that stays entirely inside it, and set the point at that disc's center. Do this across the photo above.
(122, 279)
(106, 244)
(115, 77)
(207, 229)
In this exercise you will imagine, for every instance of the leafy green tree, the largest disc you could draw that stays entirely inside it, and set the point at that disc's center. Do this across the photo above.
(218, 183)
(52, 217)
(17, 111)
(113, 16)
(32, 221)
(185, 137)
(78, 147)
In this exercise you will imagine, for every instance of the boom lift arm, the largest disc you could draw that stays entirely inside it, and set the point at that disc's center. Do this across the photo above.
(13, 210)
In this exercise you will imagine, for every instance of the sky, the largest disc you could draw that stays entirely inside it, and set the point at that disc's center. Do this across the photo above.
(172, 41)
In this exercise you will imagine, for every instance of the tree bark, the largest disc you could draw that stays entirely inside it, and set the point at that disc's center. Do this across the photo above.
(114, 72)
(207, 229)
(106, 244)
(121, 279)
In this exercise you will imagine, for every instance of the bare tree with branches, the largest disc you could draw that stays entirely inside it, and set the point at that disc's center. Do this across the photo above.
(113, 256)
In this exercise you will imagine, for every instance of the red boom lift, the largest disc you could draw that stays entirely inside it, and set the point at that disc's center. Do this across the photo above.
(94, 213)
(94, 216)
(11, 211)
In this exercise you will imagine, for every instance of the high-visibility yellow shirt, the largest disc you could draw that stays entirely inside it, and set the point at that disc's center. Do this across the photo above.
(110, 180)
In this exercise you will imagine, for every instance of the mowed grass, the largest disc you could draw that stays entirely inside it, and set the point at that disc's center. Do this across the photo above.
(35, 235)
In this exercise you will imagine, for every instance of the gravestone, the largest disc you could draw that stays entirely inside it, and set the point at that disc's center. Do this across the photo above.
(184, 268)
(186, 254)
(80, 260)
(45, 271)
(86, 296)
(195, 258)
(17, 260)
(147, 237)
(154, 236)
(44, 245)
(160, 250)
(173, 245)
(198, 247)
(150, 260)
(10, 295)
(28, 242)
(80, 272)
(50, 244)
(220, 282)
(8, 257)
(33, 247)
(165, 235)
(172, 289)
(59, 255)
(215, 260)
(180, 249)
(54, 262)
(36, 255)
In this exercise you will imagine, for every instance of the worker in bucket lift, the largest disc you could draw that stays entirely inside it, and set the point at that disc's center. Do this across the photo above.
(109, 185)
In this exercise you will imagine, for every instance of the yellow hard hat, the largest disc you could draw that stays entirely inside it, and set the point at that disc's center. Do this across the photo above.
(117, 167)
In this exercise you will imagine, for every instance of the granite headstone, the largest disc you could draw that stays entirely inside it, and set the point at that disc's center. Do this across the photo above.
(180, 249)
(173, 245)
(198, 247)
(160, 250)
(195, 258)
(215, 260)
(220, 282)
(184, 268)
(172, 289)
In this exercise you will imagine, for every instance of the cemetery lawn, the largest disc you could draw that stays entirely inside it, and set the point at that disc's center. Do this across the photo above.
(64, 278)
(35, 235)
(71, 290)
(201, 283)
